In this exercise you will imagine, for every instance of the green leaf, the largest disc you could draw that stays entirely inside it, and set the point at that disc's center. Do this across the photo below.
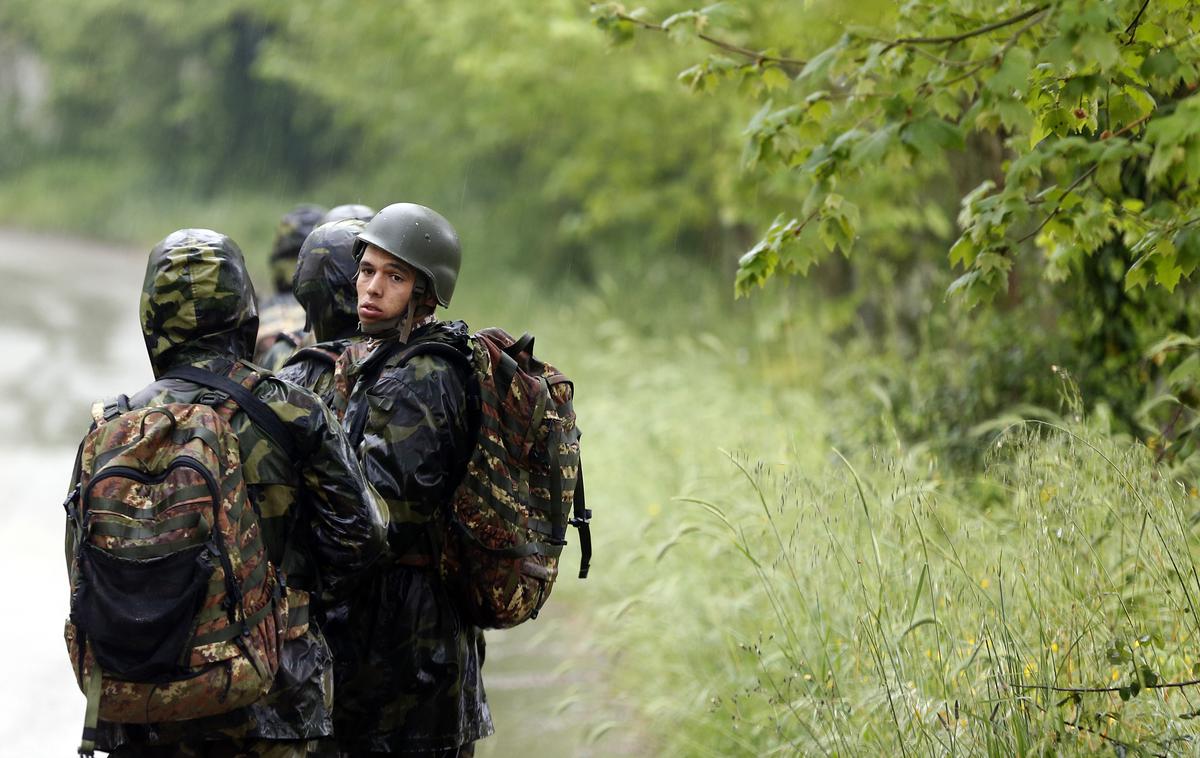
(818, 66)
(775, 79)
(1138, 275)
(1151, 34)
(1012, 78)
(930, 135)
(1099, 47)
(989, 262)
(1163, 65)
(874, 147)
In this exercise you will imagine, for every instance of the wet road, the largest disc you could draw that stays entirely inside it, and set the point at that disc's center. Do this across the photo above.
(68, 326)
(70, 335)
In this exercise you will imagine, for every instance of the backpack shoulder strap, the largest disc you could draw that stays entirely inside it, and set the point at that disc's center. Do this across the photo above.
(382, 357)
(109, 409)
(316, 353)
(258, 411)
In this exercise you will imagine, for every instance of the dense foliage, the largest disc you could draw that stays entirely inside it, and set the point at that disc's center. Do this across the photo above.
(1090, 106)
(1065, 132)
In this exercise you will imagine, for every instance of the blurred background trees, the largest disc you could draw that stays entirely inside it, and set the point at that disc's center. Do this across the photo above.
(1050, 150)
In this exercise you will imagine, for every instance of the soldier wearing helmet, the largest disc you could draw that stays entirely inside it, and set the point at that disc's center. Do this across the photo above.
(409, 672)
(349, 210)
(280, 316)
(324, 286)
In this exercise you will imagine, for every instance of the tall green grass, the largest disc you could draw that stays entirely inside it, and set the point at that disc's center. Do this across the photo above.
(859, 605)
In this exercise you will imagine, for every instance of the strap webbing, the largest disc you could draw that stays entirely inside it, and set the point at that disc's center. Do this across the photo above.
(328, 357)
(376, 362)
(258, 411)
(91, 717)
(581, 522)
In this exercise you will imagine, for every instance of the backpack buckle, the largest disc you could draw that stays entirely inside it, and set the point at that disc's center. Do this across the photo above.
(211, 398)
(581, 522)
(69, 503)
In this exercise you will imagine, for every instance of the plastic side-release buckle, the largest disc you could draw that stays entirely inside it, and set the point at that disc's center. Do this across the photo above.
(211, 398)
(69, 503)
(580, 522)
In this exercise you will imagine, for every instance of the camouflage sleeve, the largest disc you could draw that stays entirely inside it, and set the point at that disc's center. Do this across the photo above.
(349, 523)
(311, 374)
(414, 439)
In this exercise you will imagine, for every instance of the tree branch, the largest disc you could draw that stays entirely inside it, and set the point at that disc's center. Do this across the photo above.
(1164, 436)
(1129, 127)
(1058, 206)
(996, 59)
(951, 39)
(756, 55)
(1131, 30)
(1085, 690)
(1088, 730)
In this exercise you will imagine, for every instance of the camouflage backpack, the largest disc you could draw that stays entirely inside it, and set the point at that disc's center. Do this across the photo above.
(176, 612)
(521, 486)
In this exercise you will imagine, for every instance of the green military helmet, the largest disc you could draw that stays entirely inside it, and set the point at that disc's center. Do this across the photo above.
(324, 279)
(420, 237)
(197, 296)
(289, 236)
(349, 210)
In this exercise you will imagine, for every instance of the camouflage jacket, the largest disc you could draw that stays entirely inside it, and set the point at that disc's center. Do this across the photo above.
(408, 667)
(322, 524)
(282, 347)
(279, 314)
(312, 367)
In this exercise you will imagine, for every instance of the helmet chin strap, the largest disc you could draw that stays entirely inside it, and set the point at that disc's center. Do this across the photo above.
(401, 327)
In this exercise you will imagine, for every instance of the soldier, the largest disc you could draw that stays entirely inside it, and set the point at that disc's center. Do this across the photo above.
(324, 286)
(287, 343)
(281, 317)
(411, 682)
(322, 525)
(349, 210)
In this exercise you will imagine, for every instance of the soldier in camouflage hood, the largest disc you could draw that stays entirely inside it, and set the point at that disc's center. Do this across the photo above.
(409, 666)
(349, 210)
(324, 285)
(282, 317)
(322, 524)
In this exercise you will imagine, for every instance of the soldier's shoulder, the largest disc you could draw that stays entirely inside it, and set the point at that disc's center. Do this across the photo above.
(286, 397)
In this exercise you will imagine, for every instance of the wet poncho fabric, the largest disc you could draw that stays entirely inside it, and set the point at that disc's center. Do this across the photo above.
(408, 666)
(321, 523)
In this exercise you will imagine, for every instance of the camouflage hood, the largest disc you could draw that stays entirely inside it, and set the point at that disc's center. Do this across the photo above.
(289, 236)
(197, 300)
(324, 280)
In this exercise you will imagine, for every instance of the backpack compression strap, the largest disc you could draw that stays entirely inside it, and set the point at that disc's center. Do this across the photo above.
(258, 411)
(581, 521)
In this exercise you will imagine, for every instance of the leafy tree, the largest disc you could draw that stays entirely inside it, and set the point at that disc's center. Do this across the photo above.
(1064, 132)
(1090, 104)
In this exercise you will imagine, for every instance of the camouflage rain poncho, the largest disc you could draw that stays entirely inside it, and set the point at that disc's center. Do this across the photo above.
(408, 665)
(321, 523)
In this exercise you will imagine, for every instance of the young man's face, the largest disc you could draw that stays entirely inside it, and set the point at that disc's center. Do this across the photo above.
(384, 285)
